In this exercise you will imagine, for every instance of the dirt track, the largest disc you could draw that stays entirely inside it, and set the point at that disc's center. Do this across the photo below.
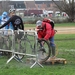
(60, 30)
(65, 30)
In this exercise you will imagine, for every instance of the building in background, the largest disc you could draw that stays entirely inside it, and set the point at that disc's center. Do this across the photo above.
(31, 7)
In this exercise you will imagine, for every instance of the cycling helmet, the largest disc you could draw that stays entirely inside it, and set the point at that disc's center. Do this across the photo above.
(11, 10)
(39, 23)
(4, 14)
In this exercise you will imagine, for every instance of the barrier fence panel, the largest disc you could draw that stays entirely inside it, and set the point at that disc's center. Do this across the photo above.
(19, 44)
(33, 45)
(26, 44)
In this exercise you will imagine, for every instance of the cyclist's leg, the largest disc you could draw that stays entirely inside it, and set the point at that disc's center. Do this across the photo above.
(19, 39)
(20, 44)
(52, 46)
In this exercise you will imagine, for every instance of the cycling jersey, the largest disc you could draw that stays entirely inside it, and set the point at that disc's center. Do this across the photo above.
(16, 22)
(4, 18)
(2, 21)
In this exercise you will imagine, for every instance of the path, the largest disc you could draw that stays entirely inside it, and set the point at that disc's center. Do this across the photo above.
(60, 30)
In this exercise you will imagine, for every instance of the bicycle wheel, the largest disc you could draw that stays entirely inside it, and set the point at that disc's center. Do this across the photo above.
(44, 50)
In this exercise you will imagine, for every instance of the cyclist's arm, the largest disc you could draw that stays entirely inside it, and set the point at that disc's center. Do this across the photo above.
(6, 23)
(48, 31)
(22, 25)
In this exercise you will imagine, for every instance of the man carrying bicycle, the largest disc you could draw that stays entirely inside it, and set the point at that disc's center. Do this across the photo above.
(16, 23)
(44, 30)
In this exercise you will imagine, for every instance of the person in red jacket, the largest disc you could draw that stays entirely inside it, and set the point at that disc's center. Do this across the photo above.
(45, 30)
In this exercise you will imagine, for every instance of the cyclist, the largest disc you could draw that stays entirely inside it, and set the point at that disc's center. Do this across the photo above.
(3, 19)
(4, 38)
(44, 30)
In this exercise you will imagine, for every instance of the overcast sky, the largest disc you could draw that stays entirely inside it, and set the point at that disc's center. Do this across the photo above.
(26, 0)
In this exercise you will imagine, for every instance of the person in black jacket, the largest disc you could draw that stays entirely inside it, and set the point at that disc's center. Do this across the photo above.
(15, 20)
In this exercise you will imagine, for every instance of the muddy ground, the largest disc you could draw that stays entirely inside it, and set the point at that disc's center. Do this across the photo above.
(60, 30)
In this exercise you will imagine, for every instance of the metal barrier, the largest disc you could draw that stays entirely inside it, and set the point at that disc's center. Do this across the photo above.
(7, 41)
(34, 34)
(16, 42)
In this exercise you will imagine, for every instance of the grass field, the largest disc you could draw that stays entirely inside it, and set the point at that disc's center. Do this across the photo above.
(56, 25)
(65, 44)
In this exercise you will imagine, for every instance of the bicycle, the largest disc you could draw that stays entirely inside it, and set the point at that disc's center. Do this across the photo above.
(29, 45)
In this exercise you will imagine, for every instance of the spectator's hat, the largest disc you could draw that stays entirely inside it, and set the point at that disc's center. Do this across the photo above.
(12, 11)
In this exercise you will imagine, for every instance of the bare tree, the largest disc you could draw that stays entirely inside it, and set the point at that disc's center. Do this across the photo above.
(4, 5)
(67, 6)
